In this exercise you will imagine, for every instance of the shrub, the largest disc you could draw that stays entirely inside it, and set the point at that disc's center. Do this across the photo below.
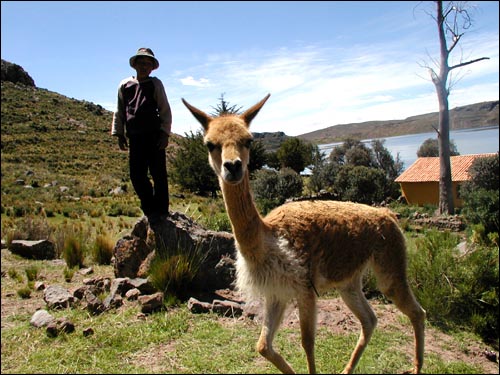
(14, 275)
(433, 268)
(190, 167)
(272, 188)
(29, 228)
(361, 184)
(481, 206)
(102, 251)
(68, 274)
(173, 270)
(24, 292)
(32, 273)
(456, 290)
(73, 252)
(478, 300)
(480, 195)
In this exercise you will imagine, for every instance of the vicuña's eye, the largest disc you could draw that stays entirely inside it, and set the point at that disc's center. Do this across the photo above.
(248, 143)
(210, 146)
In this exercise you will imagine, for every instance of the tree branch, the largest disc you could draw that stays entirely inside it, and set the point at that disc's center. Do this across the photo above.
(456, 39)
(468, 62)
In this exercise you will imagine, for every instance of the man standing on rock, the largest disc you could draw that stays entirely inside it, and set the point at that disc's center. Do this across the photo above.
(143, 117)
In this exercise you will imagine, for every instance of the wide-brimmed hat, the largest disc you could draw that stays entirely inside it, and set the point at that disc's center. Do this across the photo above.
(145, 52)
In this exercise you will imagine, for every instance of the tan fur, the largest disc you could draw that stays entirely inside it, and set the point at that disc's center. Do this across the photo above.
(303, 247)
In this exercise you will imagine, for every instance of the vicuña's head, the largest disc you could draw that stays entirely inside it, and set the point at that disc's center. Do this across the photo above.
(228, 140)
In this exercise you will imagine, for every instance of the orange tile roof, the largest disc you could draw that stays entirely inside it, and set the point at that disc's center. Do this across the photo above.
(427, 169)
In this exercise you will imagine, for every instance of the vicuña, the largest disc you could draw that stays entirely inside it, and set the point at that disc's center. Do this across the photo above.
(307, 247)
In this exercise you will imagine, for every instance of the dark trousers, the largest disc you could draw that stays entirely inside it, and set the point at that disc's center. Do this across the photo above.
(145, 157)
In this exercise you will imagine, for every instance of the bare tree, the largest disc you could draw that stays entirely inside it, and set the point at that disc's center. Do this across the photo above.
(453, 20)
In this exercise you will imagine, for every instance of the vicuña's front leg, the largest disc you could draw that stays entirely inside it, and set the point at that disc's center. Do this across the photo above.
(273, 315)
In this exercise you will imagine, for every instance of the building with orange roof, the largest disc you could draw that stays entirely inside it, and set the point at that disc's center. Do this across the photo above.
(420, 182)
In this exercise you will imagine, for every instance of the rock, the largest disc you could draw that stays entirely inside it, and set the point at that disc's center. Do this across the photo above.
(57, 297)
(94, 305)
(129, 253)
(16, 74)
(227, 308)
(132, 294)
(134, 254)
(88, 332)
(197, 307)
(39, 250)
(151, 303)
(39, 285)
(61, 325)
(41, 318)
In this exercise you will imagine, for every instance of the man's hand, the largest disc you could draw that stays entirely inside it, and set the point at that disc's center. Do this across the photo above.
(163, 140)
(122, 143)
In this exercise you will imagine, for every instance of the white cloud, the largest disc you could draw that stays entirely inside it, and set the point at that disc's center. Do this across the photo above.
(190, 81)
(315, 87)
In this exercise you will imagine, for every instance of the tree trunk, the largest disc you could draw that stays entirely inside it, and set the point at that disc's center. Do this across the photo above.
(445, 182)
(446, 204)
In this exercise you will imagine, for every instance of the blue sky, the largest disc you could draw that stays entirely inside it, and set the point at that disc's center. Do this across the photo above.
(324, 63)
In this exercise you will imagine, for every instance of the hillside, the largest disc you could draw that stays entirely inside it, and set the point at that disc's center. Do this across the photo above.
(52, 135)
(465, 117)
(47, 133)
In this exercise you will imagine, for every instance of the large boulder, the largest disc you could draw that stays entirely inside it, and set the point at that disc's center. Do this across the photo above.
(134, 253)
(14, 73)
(39, 250)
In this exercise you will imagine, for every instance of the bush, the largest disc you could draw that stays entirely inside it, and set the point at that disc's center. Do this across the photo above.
(481, 195)
(360, 184)
(68, 274)
(272, 188)
(430, 147)
(478, 292)
(432, 269)
(173, 270)
(32, 272)
(102, 251)
(189, 166)
(457, 290)
(24, 292)
(295, 154)
(14, 275)
(73, 252)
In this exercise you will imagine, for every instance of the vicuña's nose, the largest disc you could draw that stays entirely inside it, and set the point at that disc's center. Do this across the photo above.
(233, 167)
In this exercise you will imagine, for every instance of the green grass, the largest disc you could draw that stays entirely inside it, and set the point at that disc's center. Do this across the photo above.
(177, 341)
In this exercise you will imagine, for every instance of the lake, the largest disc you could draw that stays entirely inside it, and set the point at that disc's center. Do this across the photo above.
(468, 141)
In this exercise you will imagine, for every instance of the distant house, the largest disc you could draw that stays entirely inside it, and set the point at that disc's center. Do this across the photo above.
(420, 182)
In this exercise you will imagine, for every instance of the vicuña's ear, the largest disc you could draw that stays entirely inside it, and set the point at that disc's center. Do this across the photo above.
(201, 116)
(251, 112)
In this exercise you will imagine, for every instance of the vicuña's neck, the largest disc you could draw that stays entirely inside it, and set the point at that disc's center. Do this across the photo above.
(246, 221)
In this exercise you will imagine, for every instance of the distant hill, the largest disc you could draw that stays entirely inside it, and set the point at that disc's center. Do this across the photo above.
(465, 117)
(270, 140)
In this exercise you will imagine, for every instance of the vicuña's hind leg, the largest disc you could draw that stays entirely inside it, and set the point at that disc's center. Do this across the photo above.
(390, 267)
(354, 299)
(307, 315)
(404, 299)
(273, 315)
